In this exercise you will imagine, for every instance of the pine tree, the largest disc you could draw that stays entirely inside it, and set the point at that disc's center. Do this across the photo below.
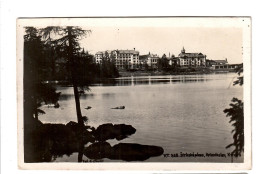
(67, 41)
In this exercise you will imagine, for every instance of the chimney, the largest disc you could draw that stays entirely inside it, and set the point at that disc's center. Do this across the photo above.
(134, 49)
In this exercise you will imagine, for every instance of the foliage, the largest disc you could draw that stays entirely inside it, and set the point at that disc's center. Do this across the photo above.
(236, 114)
(108, 68)
(240, 79)
(35, 72)
(66, 42)
(163, 63)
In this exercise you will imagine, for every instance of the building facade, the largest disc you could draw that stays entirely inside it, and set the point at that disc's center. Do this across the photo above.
(191, 59)
(100, 55)
(124, 59)
(130, 59)
(211, 63)
(152, 60)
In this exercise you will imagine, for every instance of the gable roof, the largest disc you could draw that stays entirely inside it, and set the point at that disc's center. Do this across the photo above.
(143, 57)
(221, 61)
(128, 52)
(103, 52)
(119, 51)
(190, 55)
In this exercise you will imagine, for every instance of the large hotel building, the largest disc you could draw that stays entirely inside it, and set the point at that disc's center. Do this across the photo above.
(124, 59)
(191, 59)
(129, 59)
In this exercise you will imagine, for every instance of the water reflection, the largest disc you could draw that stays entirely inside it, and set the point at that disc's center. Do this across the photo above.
(180, 117)
(150, 80)
(50, 141)
(122, 151)
(71, 96)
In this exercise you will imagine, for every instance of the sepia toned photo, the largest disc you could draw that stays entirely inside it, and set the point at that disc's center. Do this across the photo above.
(134, 93)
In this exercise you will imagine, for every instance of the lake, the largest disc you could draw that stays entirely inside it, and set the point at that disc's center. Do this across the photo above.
(180, 113)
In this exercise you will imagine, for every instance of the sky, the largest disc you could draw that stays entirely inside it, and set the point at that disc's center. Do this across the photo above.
(215, 43)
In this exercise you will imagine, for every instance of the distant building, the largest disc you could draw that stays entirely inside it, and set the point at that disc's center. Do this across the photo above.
(143, 61)
(221, 65)
(100, 55)
(124, 59)
(192, 59)
(221, 62)
(169, 60)
(152, 60)
(211, 63)
(173, 61)
(127, 59)
(226, 67)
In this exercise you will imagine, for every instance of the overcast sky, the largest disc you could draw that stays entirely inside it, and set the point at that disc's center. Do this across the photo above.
(216, 43)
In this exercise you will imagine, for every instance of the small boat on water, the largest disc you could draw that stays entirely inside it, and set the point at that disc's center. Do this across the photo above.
(89, 107)
(119, 107)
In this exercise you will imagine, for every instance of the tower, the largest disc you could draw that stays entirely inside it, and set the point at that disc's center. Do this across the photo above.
(183, 50)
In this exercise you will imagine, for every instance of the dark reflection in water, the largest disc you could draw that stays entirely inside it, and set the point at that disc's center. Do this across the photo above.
(71, 96)
(150, 80)
(108, 95)
(122, 151)
(50, 141)
(132, 81)
(85, 96)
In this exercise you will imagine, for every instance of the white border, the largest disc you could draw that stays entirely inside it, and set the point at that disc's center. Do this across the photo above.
(240, 22)
(12, 9)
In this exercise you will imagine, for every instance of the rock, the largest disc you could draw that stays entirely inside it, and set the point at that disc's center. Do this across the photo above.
(98, 150)
(110, 131)
(87, 135)
(85, 119)
(57, 105)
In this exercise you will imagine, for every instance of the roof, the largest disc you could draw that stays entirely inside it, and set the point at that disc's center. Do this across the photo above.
(128, 51)
(210, 60)
(221, 61)
(120, 52)
(190, 55)
(103, 52)
(143, 57)
(156, 57)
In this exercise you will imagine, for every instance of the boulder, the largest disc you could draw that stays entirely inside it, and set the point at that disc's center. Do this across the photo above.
(98, 150)
(110, 131)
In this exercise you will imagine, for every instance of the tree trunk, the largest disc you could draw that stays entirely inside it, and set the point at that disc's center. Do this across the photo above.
(36, 115)
(73, 75)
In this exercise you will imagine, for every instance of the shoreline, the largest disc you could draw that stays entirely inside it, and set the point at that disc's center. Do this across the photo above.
(156, 73)
(143, 73)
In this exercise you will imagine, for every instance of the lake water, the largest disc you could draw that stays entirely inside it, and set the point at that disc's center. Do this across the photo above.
(182, 113)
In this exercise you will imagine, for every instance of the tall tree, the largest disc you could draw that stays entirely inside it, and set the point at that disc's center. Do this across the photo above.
(163, 63)
(35, 73)
(67, 40)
